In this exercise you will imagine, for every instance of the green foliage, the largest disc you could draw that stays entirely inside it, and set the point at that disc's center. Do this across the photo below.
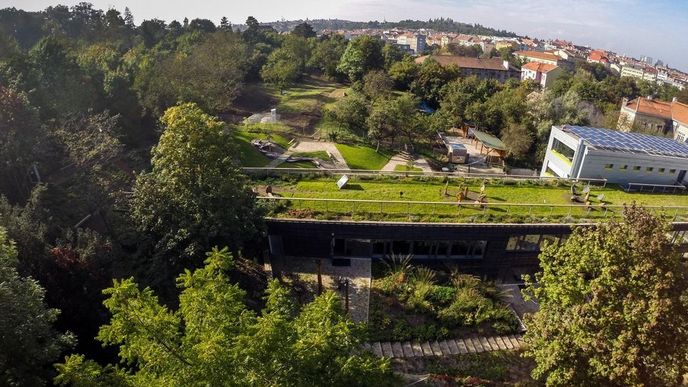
(213, 339)
(363, 157)
(281, 69)
(197, 198)
(613, 307)
(429, 83)
(327, 54)
(350, 112)
(28, 343)
(362, 55)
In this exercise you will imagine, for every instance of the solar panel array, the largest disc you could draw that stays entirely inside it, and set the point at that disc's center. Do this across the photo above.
(629, 142)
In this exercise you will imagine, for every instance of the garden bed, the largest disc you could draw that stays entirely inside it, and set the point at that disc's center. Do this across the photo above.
(418, 303)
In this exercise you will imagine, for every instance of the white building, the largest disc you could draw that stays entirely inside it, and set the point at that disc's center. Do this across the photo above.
(578, 152)
(541, 73)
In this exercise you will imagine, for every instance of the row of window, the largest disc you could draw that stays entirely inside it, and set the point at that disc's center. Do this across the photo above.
(533, 242)
(419, 249)
(638, 168)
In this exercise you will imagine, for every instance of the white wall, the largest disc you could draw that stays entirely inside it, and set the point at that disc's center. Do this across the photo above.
(593, 167)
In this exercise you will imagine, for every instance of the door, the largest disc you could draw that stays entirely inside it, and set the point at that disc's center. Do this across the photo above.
(681, 176)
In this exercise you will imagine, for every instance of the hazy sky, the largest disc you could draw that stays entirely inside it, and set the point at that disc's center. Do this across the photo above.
(658, 28)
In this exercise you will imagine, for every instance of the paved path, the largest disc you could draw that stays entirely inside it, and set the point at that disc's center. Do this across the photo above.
(306, 146)
(411, 349)
(402, 159)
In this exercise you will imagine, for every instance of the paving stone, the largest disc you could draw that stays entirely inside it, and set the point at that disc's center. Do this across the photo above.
(444, 347)
(493, 344)
(486, 344)
(427, 351)
(477, 344)
(462, 346)
(453, 348)
(507, 342)
(387, 349)
(408, 350)
(417, 350)
(469, 345)
(396, 350)
(434, 345)
(377, 349)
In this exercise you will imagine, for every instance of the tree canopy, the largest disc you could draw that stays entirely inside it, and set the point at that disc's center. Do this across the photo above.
(213, 339)
(613, 306)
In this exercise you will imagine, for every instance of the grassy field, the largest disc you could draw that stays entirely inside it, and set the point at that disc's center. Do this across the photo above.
(305, 97)
(248, 154)
(363, 157)
(406, 168)
(499, 196)
(316, 155)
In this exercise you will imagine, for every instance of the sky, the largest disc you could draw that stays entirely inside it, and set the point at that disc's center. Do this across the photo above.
(656, 28)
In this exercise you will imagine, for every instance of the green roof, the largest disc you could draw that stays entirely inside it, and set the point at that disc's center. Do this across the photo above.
(489, 140)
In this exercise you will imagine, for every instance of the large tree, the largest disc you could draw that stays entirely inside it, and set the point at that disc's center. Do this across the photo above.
(28, 342)
(213, 339)
(195, 196)
(613, 307)
(361, 56)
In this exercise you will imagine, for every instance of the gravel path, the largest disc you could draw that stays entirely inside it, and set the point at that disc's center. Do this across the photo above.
(399, 159)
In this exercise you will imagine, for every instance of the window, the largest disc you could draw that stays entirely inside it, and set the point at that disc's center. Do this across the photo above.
(524, 243)
(401, 247)
(672, 171)
(608, 166)
(636, 168)
(649, 169)
(563, 150)
(623, 167)
(661, 170)
(421, 248)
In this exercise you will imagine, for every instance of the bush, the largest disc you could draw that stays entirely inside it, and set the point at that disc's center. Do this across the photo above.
(443, 295)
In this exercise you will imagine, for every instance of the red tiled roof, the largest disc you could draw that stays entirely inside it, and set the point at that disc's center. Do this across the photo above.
(598, 56)
(651, 107)
(539, 67)
(538, 55)
(465, 62)
(679, 112)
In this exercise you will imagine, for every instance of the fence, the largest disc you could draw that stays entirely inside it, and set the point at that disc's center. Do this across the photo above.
(268, 172)
(466, 211)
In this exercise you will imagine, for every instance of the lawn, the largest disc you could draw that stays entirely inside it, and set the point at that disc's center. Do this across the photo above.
(305, 97)
(363, 157)
(248, 154)
(406, 168)
(322, 155)
(390, 195)
(278, 133)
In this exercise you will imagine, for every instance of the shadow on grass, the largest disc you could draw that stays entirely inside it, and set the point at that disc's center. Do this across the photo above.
(353, 187)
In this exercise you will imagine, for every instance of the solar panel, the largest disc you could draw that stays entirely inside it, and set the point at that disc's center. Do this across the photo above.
(630, 142)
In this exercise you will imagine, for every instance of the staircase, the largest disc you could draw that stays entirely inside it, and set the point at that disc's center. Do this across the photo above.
(445, 347)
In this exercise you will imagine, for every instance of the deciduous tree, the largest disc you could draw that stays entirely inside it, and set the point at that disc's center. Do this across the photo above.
(613, 307)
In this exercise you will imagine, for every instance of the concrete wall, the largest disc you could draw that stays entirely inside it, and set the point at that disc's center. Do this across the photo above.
(562, 168)
(593, 167)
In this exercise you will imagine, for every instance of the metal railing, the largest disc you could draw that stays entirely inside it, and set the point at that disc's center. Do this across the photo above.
(462, 210)
(267, 172)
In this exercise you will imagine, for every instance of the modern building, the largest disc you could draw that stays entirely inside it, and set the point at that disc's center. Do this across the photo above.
(650, 115)
(541, 73)
(645, 73)
(579, 152)
(416, 42)
(492, 68)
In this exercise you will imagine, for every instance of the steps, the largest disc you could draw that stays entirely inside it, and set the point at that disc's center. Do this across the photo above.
(445, 347)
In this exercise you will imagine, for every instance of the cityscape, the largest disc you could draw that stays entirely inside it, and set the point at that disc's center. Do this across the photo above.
(331, 202)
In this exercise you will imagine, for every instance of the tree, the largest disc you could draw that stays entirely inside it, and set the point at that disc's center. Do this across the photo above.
(304, 30)
(28, 343)
(350, 112)
(392, 55)
(431, 79)
(281, 69)
(362, 55)
(682, 95)
(128, 18)
(198, 198)
(377, 84)
(327, 54)
(518, 139)
(213, 339)
(404, 73)
(613, 306)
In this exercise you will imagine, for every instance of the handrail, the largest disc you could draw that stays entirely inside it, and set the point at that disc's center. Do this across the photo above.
(452, 175)
(488, 204)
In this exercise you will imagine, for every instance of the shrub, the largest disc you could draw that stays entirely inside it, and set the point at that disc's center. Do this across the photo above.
(443, 295)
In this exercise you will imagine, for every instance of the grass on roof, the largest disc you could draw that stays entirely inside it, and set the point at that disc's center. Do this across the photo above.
(363, 157)
(432, 190)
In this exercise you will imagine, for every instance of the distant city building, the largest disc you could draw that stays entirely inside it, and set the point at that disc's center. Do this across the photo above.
(646, 59)
(542, 73)
(577, 152)
(416, 42)
(539, 57)
(646, 73)
(599, 56)
(492, 68)
(670, 118)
